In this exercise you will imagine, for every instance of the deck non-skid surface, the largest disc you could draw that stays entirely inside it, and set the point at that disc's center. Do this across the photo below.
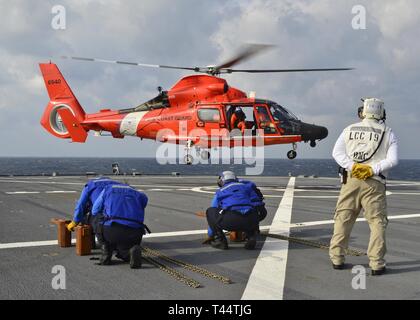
(302, 207)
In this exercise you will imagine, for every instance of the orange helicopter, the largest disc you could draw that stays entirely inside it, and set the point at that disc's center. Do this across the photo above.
(213, 113)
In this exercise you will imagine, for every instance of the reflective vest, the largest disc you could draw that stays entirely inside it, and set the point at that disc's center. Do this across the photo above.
(256, 195)
(124, 205)
(367, 142)
(235, 196)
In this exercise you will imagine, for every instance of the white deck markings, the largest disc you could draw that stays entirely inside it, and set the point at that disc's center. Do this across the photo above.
(23, 192)
(38, 192)
(61, 191)
(83, 183)
(43, 182)
(152, 235)
(195, 232)
(28, 244)
(390, 193)
(268, 276)
(316, 197)
(324, 222)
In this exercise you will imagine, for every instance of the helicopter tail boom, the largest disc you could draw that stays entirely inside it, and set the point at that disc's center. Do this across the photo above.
(64, 114)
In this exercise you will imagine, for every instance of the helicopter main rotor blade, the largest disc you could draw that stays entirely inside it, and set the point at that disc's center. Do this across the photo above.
(282, 70)
(246, 53)
(249, 51)
(130, 63)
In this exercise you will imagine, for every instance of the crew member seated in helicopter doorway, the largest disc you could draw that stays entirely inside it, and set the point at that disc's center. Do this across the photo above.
(237, 120)
(232, 209)
(82, 211)
(123, 225)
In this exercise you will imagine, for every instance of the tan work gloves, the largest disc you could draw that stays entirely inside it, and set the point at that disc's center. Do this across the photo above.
(361, 171)
(71, 226)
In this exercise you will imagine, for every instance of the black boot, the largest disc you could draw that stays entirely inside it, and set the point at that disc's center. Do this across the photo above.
(378, 272)
(251, 241)
(220, 241)
(93, 241)
(123, 255)
(106, 255)
(135, 257)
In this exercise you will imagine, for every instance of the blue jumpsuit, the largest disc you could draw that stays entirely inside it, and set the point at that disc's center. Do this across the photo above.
(232, 209)
(122, 208)
(90, 193)
(257, 199)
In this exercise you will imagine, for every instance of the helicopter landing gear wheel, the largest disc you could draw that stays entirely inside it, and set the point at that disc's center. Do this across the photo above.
(188, 159)
(205, 155)
(312, 143)
(292, 153)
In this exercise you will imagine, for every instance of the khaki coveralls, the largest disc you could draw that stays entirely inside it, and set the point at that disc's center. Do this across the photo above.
(355, 195)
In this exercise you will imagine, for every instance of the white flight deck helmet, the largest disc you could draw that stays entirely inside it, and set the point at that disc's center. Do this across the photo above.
(373, 108)
(225, 176)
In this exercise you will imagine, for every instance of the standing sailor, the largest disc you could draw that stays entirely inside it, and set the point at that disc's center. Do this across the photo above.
(367, 150)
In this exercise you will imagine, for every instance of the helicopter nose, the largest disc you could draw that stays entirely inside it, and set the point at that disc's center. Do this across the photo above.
(322, 132)
(311, 132)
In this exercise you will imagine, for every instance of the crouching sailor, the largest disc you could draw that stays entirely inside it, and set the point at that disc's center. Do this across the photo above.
(257, 199)
(82, 212)
(122, 228)
(232, 210)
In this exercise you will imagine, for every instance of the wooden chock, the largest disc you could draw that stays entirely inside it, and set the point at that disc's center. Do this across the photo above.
(63, 235)
(237, 236)
(83, 239)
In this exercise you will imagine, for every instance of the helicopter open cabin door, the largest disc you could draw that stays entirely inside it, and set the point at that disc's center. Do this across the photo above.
(209, 117)
(211, 120)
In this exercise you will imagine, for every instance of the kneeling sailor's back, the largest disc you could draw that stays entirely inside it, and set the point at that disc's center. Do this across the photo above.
(122, 208)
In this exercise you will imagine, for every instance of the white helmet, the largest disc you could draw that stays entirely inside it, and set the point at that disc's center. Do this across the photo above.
(373, 108)
(226, 176)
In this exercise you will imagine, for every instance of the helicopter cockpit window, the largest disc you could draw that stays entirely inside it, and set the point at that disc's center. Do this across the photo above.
(209, 115)
(280, 113)
(264, 121)
(263, 114)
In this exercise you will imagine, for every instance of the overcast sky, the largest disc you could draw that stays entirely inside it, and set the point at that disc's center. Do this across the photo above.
(307, 34)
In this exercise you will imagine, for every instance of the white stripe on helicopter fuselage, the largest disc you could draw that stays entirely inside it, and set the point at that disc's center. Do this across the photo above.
(245, 137)
(130, 123)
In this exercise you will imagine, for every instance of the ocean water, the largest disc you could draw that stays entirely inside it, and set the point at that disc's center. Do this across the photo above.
(406, 170)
